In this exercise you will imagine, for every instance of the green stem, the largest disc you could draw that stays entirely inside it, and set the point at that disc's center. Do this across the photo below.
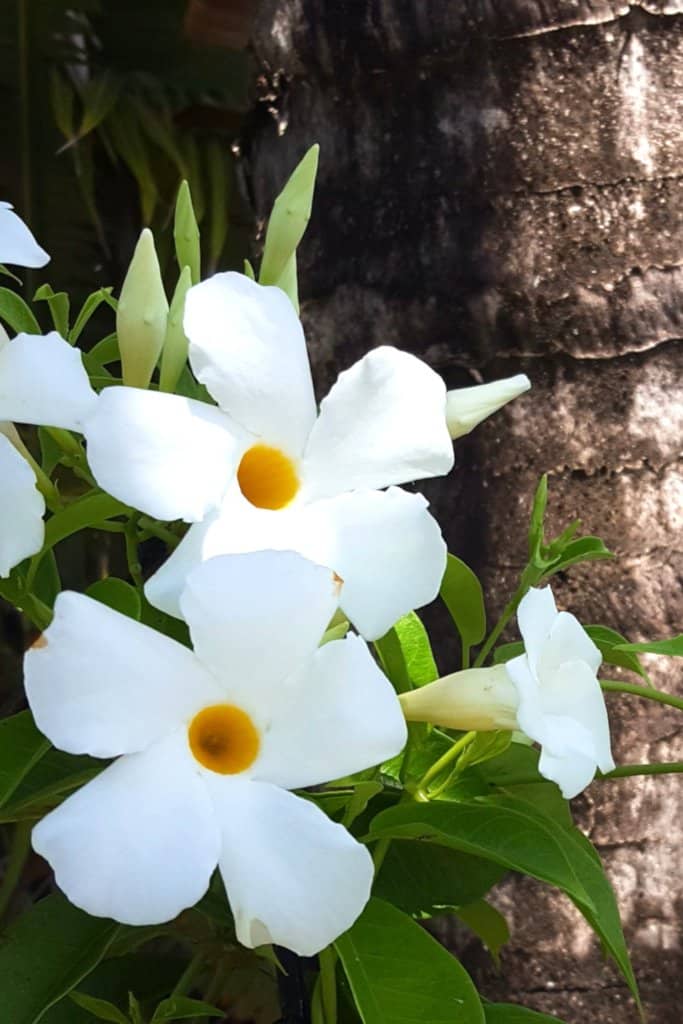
(648, 692)
(444, 761)
(19, 850)
(151, 526)
(66, 441)
(625, 771)
(327, 959)
(530, 577)
(134, 567)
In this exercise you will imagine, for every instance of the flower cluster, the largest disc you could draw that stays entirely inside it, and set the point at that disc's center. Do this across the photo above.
(297, 514)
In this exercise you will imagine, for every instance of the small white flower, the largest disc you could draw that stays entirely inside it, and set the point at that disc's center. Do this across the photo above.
(561, 703)
(21, 509)
(208, 745)
(17, 244)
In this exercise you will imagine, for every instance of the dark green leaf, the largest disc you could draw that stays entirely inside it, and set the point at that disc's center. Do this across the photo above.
(100, 1008)
(50, 780)
(671, 647)
(21, 747)
(15, 312)
(488, 924)
(505, 652)
(46, 582)
(180, 1008)
(59, 307)
(92, 303)
(585, 549)
(117, 594)
(99, 97)
(462, 594)
(46, 953)
(507, 1013)
(609, 642)
(424, 879)
(397, 972)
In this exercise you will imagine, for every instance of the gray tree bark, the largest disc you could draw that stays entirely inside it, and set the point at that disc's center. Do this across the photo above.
(500, 191)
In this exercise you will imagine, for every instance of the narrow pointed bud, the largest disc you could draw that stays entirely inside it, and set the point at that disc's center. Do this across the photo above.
(291, 213)
(174, 355)
(186, 233)
(481, 699)
(141, 315)
(467, 407)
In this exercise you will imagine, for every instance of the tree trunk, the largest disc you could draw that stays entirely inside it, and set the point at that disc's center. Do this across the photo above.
(499, 191)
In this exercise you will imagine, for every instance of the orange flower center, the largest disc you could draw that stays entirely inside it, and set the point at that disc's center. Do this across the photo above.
(267, 477)
(224, 739)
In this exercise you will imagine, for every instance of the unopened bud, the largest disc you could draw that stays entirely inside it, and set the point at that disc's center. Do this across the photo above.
(186, 233)
(481, 699)
(141, 315)
(174, 356)
(467, 407)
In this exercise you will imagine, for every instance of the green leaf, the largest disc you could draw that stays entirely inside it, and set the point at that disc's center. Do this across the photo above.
(424, 879)
(488, 924)
(21, 747)
(106, 351)
(537, 517)
(91, 304)
(117, 594)
(15, 312)
(99, 96)
(49, 780)
(406, 654)
(100, 1008)
(249, 270)
(672, 646)
(180, 1008)
(508, 1013)
(46, 582)
(462, 594)
(397, 972)
(484, 747)
(62, 95)
(220, 184)
(361, 795)
(59, 307)
(291, 213)
(609, 643)
(46, 953)
(507, 651)
(585, 549)
(515, 836)
(87, 511)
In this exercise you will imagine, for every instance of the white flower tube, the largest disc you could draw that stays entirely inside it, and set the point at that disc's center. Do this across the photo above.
(209, 743)
(467, 407)
(21, 509)
(551, 693)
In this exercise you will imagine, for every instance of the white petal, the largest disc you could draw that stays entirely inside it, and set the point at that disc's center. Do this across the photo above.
(43, 381)
(247, 347)
(139, 843)
(254, 618)
(383, 422)
(164, 587)
(100, 683)
(572, 773)
(293, 877)
(17, 244)
(386, 547)
(568, 641)
(535, 617)
(21, 509)
(169, 456)
(341, 716)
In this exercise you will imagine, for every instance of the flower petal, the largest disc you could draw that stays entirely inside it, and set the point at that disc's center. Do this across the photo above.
(341, 716)
(17, 244)
(254, 618)
(171, 457)
(139, 843)
(386, 547)
(383, 422)
(21, 509)
(293, 877)
(247, 347)
(100, 683)
(536, 616)
(567, 641)
(43, 381)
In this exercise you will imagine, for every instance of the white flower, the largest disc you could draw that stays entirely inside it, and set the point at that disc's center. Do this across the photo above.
(561, 703)
(550, 692)
(208, 745)
(17, 244)
(467, 407)
(21, 509)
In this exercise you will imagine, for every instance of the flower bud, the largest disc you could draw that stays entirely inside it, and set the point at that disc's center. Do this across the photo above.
(186, 233)
(467, 407)
(174, 356)
(481, 699)
(141, 315)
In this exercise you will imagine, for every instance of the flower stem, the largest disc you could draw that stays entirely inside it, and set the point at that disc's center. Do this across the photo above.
(442, 763)
(625, 771)
(132, 557)
(648, 692)
(327, 959)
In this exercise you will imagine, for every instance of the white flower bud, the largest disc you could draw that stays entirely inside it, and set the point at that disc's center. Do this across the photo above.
(467, 407)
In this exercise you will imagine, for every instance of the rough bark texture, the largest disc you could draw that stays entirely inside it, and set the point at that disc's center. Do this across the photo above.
(500, 190)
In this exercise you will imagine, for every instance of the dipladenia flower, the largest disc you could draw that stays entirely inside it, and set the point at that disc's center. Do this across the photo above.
(551, 693)
(264, 470)
(21, 509)
(209, 743)
(17, 244)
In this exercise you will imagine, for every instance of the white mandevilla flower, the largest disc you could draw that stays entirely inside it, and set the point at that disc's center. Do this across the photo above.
(17, 244)
(551, 693)
(264, 470)
(209, 744)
